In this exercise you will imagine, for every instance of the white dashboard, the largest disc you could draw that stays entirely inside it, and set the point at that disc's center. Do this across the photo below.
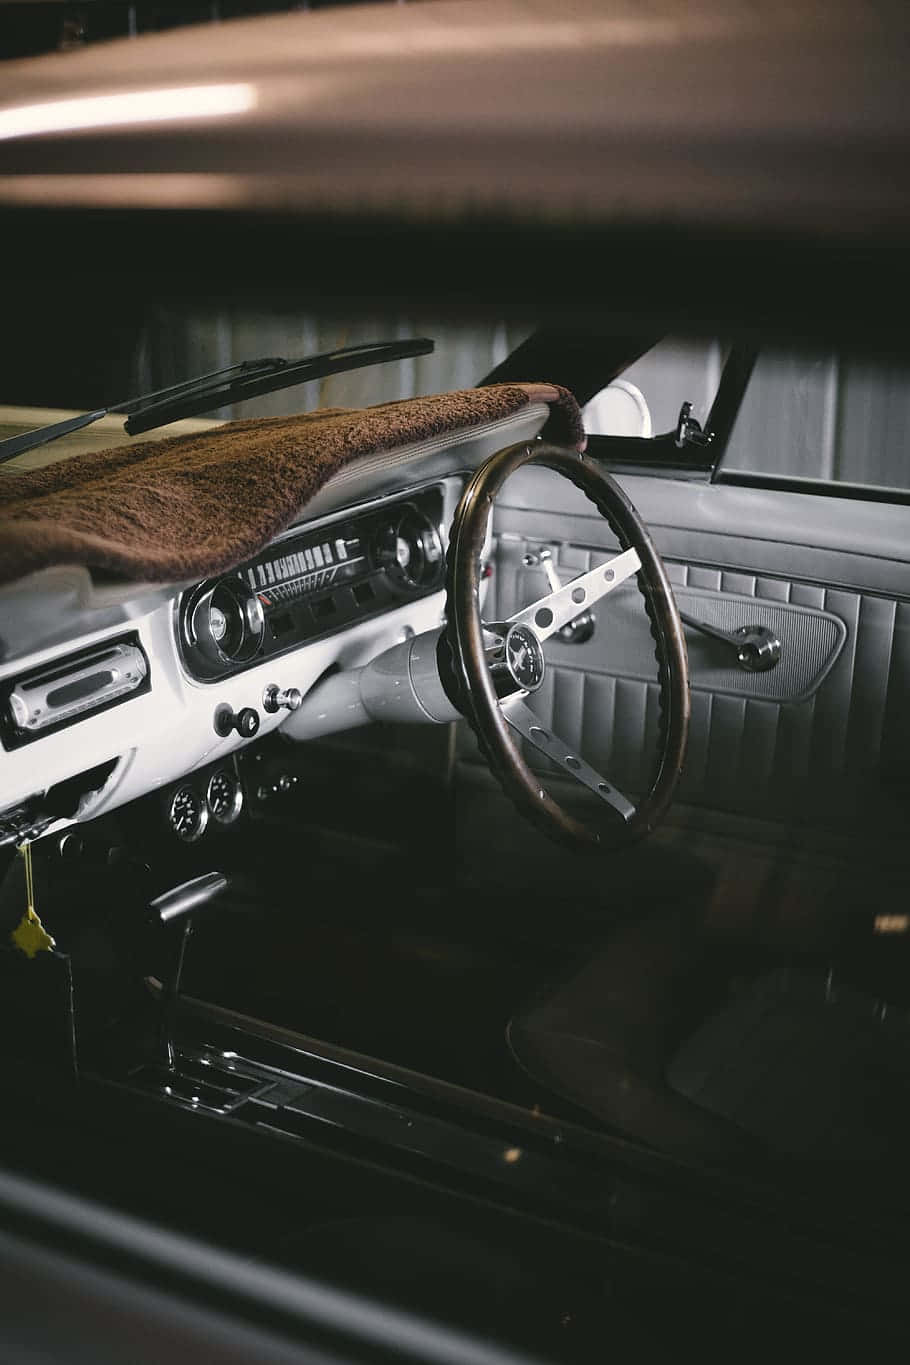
(167, 728)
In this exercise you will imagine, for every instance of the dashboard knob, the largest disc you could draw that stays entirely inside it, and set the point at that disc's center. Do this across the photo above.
(245, 721)
(274, 698)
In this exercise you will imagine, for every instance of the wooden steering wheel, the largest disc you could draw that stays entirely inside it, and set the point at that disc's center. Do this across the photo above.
(489, 669)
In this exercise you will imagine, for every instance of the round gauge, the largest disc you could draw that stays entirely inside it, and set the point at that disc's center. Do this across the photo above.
(224, 796)
(223, 624)
(188, 815)
(411, 550)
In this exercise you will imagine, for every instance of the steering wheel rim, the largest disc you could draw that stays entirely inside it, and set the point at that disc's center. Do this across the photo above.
(465, 659)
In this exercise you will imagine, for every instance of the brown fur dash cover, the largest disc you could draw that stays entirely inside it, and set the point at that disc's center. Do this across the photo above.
(193, 506)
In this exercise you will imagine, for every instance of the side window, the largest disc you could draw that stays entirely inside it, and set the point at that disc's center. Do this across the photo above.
(803, 418)
(824, 417)
(647, 397)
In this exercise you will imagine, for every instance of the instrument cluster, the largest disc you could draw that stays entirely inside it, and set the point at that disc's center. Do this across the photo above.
(313, 582)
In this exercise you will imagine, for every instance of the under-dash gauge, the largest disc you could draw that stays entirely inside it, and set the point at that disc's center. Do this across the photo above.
(224, 796)
(313, 582)
(188, 814)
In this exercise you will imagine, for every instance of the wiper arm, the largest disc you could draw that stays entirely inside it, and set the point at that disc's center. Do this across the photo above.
(264, 376)
(40, 436)
(246, 379)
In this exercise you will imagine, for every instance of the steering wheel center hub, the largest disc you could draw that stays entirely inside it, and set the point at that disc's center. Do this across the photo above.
(524, 658)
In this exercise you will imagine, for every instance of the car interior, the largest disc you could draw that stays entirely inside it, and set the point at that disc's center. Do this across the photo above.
(454, 641)
(328, 843)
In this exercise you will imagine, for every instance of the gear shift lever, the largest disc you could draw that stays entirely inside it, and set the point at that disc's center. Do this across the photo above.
(178, 906)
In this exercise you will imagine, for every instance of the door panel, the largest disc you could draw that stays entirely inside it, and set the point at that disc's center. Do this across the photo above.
(811, 636)
(824, 737)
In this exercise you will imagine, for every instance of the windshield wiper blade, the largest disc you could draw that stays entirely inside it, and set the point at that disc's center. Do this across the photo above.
(260, 377)
(246, 379)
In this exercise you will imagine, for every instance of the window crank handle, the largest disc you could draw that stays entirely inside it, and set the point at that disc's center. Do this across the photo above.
(756, 647)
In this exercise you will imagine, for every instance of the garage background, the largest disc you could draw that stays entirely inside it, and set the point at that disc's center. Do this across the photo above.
(827, 417)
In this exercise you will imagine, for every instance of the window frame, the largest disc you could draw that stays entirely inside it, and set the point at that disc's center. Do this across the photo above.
(668, 456)
(662, 457)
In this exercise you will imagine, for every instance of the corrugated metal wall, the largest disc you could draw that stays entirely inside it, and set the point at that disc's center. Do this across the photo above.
(826, 417)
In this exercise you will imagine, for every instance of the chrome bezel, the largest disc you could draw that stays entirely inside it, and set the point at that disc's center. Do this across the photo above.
(243, 609)
(432, 567)
(229, 816)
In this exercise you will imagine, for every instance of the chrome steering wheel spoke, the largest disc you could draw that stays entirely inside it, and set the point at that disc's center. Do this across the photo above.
(549, 614)
(523, 720)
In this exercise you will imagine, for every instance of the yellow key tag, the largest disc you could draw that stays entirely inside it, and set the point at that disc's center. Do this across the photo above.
(30, 935)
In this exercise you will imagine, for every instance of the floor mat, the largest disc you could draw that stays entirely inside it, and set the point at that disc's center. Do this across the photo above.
(813, 1067)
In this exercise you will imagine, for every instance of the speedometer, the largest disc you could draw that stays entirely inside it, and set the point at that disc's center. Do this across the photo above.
(224, 796)
(188, 815)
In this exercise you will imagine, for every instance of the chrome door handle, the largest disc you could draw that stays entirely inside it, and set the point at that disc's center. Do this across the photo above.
(756, 647)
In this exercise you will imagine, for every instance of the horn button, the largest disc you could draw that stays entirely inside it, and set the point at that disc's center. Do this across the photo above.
(524, 658)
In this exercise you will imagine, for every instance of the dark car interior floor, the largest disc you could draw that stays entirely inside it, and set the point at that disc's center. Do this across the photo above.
(717, 993)
(723, 992)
